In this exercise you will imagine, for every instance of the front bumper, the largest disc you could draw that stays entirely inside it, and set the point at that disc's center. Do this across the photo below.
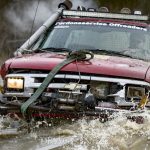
(12, 100)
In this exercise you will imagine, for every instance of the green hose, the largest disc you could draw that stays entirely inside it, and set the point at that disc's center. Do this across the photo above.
(72, 56)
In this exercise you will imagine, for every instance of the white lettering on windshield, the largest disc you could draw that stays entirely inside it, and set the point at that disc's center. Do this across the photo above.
(102, 24)
(127, 26)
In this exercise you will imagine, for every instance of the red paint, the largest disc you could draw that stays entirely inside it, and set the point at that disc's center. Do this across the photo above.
(147, 77)
(4, 68)
(111, 66)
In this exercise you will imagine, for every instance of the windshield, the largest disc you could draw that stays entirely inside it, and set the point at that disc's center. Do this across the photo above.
(122, 38)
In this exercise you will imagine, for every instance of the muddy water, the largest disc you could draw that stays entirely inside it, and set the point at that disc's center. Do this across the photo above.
(116, 134)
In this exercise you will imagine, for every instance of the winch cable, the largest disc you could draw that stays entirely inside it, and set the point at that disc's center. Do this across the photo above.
(80, 55)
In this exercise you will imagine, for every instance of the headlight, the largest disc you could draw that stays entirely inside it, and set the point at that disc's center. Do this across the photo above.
(135, 92)
(15, 83)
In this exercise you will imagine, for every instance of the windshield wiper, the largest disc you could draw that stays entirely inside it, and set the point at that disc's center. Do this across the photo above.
(103, 51)
(96, 51)
(53, 49)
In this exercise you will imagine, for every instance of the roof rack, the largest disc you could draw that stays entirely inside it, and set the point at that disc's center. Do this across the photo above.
(74, 13)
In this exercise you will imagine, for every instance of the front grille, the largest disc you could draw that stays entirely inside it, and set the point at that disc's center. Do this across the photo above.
(61, 80)
(106, 88)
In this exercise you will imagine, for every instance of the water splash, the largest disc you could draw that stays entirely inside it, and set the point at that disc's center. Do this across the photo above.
(85, 134)
(117, 134)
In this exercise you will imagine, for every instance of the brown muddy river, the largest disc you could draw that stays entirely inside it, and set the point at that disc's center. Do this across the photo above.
(83, 134)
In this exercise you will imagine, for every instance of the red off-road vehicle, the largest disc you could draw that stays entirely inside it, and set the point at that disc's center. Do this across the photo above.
(108, 67)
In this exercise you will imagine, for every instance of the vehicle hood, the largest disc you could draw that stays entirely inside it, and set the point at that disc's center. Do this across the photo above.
(100, 65)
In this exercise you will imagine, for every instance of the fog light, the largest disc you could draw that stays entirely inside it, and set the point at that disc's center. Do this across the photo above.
(135, 92)
(1, 89)
(15, 83)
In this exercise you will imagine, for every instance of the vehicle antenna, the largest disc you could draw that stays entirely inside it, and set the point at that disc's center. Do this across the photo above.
(33, 21)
